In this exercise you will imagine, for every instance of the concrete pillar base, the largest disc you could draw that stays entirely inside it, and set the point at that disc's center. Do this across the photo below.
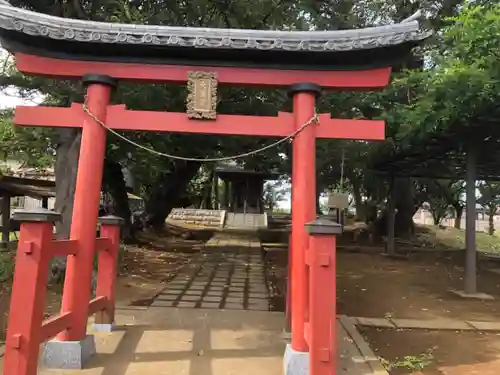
(68, 354)
(106, 328)
(295, 363)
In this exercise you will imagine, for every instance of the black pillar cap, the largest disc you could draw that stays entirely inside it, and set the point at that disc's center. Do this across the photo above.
(304, 87)
(323, 226)
(39, 215)
(89, 79)
(111, 220)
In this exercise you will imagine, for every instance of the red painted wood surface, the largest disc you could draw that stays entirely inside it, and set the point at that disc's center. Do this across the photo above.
(28, 299)
(107, 272)
(119, 118)
(303, 211)
(102, 244)
(58, 68)
(289, 286)
(322, 305)
(84, 221)
(97, 304)
(51, 327)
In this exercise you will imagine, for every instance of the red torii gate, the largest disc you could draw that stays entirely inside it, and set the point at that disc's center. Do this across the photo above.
(100, 72)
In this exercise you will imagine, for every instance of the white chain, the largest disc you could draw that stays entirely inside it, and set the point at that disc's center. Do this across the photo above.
(314, 119)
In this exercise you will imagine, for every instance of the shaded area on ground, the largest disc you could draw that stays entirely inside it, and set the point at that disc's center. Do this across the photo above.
(144, 269)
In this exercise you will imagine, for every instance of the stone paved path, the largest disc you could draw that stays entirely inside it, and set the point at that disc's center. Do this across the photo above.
(227, 274)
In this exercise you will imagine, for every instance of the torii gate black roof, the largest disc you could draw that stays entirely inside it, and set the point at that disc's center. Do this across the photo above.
(45, 35)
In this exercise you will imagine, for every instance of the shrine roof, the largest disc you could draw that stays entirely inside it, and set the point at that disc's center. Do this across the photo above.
(45, 35)
(230, 171)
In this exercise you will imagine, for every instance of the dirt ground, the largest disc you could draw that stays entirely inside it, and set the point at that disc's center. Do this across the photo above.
(144, 270)
(451, 353)
(372, 285)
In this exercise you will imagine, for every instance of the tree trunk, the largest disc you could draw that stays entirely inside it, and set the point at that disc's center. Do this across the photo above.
(115, 184)
(459, 209)
(406, 206)
(206, 200)
(358, 200)
(491, 223)
(66, 170)
(167, 192)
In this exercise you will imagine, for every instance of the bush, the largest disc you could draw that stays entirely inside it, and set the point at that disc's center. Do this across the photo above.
(6, 266)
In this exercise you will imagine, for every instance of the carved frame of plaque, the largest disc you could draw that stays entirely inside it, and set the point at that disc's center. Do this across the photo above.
(202, 95)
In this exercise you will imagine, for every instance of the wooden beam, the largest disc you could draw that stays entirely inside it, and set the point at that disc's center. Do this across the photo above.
(119, 118)
(5, 208)
(73, 69)
(59, 117)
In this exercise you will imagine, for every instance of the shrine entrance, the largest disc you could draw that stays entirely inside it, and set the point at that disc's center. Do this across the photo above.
(101, 55)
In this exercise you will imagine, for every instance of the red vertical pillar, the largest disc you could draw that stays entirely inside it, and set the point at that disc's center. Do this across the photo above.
(303, 203)
(28, 291)
(86, 207)
(288, 326)
(321, 327)
(107, 272)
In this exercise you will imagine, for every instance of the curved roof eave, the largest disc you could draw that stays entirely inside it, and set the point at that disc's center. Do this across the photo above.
(35, 24)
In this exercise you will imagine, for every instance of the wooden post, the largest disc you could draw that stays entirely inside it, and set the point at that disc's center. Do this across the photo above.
(28, 291)
(470, 224)
(86, 207)
(5, 220)
(391, 220)
(321, 327)
(107, 271)
(303, 203)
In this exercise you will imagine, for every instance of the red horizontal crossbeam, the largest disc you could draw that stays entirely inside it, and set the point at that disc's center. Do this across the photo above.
(51, 327)
(97, 304)
(74, 69)
(64, 247)
(119, 118)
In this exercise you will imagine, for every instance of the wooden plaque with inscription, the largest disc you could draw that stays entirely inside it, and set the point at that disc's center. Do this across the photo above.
(202, 96)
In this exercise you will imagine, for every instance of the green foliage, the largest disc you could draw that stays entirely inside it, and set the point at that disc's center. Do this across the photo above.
(463, 85)
(490, 200)
(30, 147)
(410, 362)
(6, 266)
(456, 86)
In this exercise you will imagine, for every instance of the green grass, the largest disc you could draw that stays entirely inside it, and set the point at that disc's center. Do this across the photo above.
(450, 238)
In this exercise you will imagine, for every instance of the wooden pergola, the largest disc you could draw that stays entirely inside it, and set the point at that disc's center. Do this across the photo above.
(11, 187)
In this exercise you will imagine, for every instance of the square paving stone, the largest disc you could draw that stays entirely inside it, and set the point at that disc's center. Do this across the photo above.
(212, 298)
(186, 304)
(210, 305)
(233, 306)
(234, 300)
(160, 303)
(437, 324)
(485, 326)
(258, 295)
(374, 322)
(191, 292)
(191, 298)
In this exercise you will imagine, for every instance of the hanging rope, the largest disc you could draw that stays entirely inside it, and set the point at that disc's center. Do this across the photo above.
(314, 119)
